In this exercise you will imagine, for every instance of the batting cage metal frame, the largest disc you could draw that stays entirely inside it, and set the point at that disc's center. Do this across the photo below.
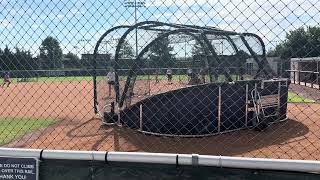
(201, 108)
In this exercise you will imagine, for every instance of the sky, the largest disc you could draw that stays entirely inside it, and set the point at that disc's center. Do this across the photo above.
(78, 24)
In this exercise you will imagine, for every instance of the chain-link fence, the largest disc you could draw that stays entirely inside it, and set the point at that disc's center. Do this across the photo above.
(235, 78)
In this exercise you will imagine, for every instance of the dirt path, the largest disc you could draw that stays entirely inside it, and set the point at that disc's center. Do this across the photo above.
(297, 138)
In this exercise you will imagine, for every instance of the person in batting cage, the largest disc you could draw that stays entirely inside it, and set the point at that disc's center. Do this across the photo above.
(111, 77)
(6, 79)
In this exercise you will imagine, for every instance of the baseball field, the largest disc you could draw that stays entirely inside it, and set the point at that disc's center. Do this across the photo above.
(57, 113)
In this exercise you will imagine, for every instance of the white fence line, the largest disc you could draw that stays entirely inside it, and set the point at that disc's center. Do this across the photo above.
(164, 158)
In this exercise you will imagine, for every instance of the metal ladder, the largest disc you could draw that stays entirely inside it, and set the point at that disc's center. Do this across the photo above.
(260, 106)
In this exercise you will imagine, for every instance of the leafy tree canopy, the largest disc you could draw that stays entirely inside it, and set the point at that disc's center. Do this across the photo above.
(51, 53)
(302, 42)
(126, 50)
(161, 53)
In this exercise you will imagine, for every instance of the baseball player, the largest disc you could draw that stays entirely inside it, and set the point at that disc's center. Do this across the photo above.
(111, 77)
(169, 75)
(6, 79)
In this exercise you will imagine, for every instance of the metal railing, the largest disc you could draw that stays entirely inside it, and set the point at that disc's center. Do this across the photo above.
(306, 78)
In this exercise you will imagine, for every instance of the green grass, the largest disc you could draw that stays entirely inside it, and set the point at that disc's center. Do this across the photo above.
(295, 98)
(14, 128)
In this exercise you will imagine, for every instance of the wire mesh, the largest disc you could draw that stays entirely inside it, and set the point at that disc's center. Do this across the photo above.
(217, 77)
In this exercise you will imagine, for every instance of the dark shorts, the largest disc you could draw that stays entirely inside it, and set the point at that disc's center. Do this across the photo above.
(169, 76)
(7, 81)
(111, 82)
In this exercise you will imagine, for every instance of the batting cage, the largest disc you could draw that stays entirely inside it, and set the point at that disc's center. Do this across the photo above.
(188, 81)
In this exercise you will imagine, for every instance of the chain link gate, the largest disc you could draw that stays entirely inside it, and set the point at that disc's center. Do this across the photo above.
(207, 77)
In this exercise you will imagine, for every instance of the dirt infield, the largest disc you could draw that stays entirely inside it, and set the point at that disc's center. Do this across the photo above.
(79, 129)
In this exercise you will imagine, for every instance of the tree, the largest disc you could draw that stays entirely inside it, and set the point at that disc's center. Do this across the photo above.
(18, 60)
(126, 50)
(299, 43)
(199, 53)
(197, 49)
(50, 53)
(71, 61)
(161, 53)
(126, 55)
(6, 59)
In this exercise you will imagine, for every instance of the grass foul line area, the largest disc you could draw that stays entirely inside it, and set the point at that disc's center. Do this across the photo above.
(14, 128)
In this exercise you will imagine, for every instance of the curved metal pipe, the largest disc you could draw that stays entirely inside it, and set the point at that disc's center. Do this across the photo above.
(186, 28)
(138, 63)
(261, 63)
(226, 74)
(122, 39)
(95, 64)
(95, 97)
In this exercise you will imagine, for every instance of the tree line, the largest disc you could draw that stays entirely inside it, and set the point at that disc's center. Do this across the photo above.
(302, 42)
(17, 60)
(50, 57)
(299, 43)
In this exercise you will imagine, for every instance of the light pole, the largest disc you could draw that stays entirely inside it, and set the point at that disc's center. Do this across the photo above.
(84, 44)
(110, 41)
(136, 4)
(86, 62)
(76, 48)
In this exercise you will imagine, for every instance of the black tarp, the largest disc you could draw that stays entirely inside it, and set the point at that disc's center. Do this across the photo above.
(93, 170)
(194, 110)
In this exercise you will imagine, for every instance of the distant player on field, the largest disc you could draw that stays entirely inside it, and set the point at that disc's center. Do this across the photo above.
(169, 75)
(202, 74)
(157, 75)
(6, 79)
(111, 78)
(189, 73)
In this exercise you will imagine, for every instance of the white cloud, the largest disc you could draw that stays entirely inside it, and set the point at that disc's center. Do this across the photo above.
(5, 24)
(36, 26)
(178, 3)
(60, 16)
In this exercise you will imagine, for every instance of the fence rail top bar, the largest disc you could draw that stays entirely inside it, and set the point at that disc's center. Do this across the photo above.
(163, 158)
(314, 72)
(307, 59)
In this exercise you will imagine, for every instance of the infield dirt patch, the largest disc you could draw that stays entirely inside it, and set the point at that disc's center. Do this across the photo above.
(80, 129)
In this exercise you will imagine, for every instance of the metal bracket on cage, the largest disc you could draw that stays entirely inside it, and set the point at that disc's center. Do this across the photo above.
(106, 158)
(275, 80)
(219, 110)
(286, 83)
(177, 161)
(195, 159)
(140, 117)
(119, 115)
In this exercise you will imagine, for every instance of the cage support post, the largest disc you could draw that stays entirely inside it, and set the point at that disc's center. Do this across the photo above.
(219, 110)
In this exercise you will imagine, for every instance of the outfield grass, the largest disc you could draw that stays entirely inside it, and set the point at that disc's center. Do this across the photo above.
(292, 97)
(14, 128)
(295, 98)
